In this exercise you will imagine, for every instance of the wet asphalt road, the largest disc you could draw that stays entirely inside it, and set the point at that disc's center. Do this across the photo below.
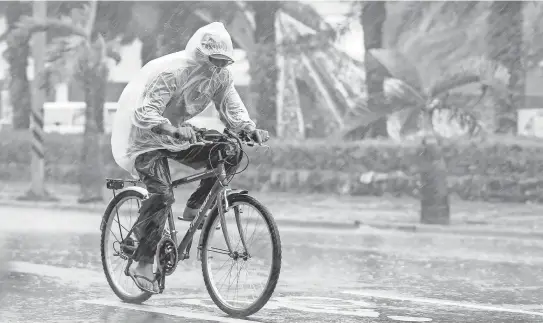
(361, 275)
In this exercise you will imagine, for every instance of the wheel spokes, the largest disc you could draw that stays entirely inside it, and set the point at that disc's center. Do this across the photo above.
(119, 224)
(231, 277)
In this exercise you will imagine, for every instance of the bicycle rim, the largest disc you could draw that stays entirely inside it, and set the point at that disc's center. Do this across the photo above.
(242, 286)
(120, 220)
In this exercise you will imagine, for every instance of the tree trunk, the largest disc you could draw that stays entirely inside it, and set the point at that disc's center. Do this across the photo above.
(505, 42)
(263, 69)
(17, 57)
(92, 166)
(372, 18)
(434, 192)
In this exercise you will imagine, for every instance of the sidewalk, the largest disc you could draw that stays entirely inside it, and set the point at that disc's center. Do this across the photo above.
(347, 212)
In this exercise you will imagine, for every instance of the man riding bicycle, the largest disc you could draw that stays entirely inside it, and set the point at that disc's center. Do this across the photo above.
(166, 92)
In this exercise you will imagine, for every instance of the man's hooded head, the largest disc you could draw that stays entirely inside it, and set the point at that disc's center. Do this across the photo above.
(211, 49)
(211, 41)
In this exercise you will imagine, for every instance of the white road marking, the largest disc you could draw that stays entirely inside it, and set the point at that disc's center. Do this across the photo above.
(206, 302)
(409, 319)
(440, 302)
(327, 305)
(318, 305)
(173, 311)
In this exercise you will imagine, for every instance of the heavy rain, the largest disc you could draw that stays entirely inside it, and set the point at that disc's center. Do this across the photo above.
(271, 161)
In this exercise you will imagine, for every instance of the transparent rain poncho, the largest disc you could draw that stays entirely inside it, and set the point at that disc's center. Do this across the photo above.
(172, 89)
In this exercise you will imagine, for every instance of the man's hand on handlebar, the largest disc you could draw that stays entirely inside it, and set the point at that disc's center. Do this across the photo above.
(184, 132)
(187, 132)
(259, 136)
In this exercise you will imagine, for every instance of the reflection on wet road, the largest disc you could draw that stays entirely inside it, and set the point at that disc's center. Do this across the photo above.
(328, 276)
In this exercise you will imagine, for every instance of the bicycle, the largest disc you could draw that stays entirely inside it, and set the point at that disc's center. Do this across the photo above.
(220, 201)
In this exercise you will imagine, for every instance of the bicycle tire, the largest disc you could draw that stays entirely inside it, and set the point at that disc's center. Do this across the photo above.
(276, 259)
(144, 296)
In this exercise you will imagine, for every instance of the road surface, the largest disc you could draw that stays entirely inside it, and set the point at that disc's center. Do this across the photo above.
(347, 275)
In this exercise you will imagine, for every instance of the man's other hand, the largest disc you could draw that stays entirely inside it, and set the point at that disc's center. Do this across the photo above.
(259, 136)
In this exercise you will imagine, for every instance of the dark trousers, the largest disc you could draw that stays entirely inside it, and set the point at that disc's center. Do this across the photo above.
(154, 172)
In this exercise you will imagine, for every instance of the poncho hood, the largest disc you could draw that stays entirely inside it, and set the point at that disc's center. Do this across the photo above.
(211, 39)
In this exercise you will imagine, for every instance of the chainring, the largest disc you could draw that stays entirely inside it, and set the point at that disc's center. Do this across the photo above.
(166, 256)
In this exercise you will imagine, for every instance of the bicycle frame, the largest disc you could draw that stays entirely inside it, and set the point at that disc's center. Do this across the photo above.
(218, 193)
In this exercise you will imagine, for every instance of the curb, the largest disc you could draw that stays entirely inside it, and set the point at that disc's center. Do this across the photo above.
(455, 230)
(346, 225)
(100, 208)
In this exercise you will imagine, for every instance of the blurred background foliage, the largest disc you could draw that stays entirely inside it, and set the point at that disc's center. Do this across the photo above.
(432, 75)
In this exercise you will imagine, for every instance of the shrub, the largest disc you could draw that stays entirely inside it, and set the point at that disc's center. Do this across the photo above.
(499, 168)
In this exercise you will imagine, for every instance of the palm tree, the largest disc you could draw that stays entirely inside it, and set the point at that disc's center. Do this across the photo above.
(16, 56)
(505, 45)
(163, 27)
(81, 54)
(253, 28)
(372, 18)
(533, 47)
(264, 70)
(445, 32)
(253, 34)
(421, 102)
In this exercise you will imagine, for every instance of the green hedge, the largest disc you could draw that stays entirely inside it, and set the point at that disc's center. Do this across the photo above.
(494, 168)
(492, 157)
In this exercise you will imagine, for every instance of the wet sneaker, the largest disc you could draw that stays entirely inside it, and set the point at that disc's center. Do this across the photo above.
(190, 214)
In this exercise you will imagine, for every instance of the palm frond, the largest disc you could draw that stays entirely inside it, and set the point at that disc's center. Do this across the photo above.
(396, 65)
(63, 56)
(306, 14)
(447, 38)
(398, 92)
(397, 96)
(409, 120)
(404, 123)
(473, 70)
(402, 16)
(466, 121)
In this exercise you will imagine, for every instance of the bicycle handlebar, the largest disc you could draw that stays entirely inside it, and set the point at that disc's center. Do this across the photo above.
(201, 133)
(242, 137)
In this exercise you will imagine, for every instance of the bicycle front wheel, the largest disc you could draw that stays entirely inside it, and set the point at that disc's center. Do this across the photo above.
(240, 283)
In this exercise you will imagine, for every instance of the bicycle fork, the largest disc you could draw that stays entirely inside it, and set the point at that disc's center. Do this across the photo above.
(223, 207)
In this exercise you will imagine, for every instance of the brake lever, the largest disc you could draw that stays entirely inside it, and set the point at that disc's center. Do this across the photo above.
(201, 141)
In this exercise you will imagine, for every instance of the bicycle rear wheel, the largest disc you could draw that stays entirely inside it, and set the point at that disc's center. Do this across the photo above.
(265, 266)
(120, 216)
